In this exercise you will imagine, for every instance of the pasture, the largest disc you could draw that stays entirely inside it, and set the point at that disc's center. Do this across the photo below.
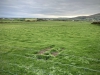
(49, 48)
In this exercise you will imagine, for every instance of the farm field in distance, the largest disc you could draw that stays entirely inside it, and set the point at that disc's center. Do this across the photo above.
(49, 48)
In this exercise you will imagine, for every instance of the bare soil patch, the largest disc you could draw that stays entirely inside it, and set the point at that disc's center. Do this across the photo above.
(44, 50)
(55, 53)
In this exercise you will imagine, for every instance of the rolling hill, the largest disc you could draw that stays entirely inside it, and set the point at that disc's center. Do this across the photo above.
(95, 17)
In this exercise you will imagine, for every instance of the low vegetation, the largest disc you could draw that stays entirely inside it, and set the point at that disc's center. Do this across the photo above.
(49, 48)
(95, 23)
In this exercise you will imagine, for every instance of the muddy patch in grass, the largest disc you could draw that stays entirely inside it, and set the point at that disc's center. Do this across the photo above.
(46, 49)
(51, 50)
(55, 53)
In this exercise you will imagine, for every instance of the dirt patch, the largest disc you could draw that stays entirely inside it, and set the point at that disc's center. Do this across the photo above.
(44, 50)
(55, 53)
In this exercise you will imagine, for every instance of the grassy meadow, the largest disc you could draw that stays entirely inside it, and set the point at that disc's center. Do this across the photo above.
(49, 48)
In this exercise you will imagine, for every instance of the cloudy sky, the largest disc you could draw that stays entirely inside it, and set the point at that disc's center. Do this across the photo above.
(48, 8)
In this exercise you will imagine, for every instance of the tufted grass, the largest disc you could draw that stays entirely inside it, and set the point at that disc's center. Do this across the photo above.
(77, 45)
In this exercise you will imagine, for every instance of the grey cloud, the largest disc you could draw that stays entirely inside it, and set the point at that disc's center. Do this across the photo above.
(24, 8)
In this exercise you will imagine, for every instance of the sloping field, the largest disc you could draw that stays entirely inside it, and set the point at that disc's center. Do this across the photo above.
(49, 48)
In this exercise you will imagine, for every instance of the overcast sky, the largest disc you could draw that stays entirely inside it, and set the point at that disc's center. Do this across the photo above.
(48, 8)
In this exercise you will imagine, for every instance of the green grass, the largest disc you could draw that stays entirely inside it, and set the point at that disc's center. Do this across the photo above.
(77, 45)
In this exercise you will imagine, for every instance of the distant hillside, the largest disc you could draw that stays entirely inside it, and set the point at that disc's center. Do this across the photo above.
(95, 17)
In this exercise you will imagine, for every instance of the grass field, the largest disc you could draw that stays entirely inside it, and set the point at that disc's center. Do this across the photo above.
(49, 48)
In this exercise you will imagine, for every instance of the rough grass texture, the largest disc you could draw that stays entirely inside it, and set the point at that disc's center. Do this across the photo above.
(49, 48)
